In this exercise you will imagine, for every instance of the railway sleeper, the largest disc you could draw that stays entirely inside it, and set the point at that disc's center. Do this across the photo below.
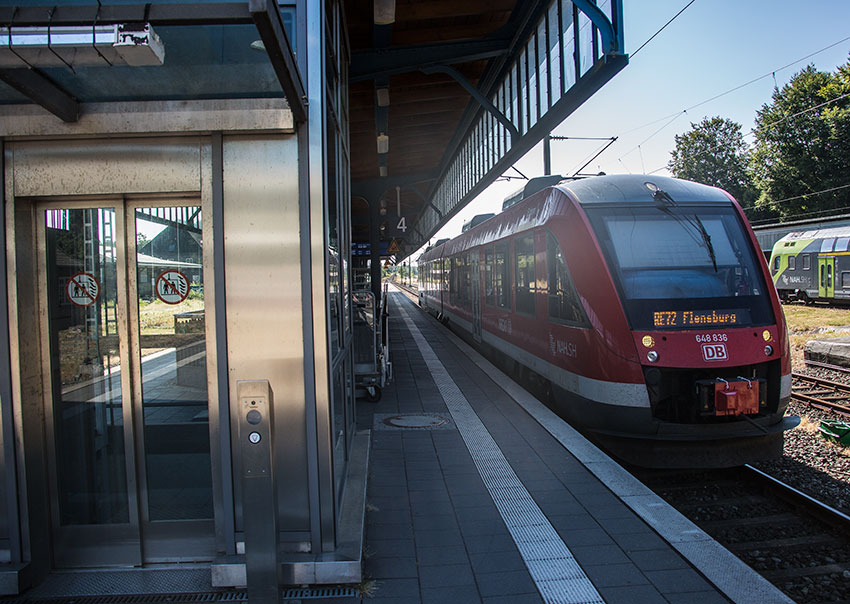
(788, 543)
(770, 520)
(776, 576)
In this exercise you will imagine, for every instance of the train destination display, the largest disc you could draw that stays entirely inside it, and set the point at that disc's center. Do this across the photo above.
(699, 318)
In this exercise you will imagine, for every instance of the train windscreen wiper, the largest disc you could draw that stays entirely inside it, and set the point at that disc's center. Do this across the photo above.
(662, 197)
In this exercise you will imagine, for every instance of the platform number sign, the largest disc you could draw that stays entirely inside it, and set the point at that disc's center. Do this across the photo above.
(82, 289)
(397, 227)
(172, 287)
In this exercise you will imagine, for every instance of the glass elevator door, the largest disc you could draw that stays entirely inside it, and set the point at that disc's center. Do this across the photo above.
(124, 354)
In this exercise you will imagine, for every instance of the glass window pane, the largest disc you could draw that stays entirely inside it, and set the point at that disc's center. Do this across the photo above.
(85, 366)
(554, 52)
(489, 292)
(525, 276)
(172, 340)
(564, 303)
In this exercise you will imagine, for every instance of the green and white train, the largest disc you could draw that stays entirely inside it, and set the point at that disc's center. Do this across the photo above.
(813, 265)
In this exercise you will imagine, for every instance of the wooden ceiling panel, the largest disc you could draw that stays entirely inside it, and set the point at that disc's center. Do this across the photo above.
(424, 110)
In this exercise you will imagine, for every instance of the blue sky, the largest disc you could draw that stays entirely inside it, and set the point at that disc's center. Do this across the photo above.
(712, 47)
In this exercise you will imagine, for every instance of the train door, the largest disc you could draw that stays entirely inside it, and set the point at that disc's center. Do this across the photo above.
(123, 333)
(826, 277)
(475, 293)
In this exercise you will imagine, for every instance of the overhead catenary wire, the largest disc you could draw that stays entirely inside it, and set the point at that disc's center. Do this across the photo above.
(673, 18)
(771, 73)
(831, 213)
(796, 197)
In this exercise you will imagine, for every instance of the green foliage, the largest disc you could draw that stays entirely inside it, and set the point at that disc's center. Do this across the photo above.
(800, 151)
(713, 152)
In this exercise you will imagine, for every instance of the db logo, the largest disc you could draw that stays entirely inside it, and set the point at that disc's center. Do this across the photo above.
(714, 352)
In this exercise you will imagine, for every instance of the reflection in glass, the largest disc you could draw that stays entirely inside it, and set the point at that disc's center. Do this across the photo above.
(85, 366)
(169, 257)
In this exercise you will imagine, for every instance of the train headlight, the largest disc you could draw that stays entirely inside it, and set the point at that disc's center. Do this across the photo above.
(652, 356)
(768, 350)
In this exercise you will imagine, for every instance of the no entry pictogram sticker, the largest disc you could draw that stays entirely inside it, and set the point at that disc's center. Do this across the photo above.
(172, 287)
(82, 289)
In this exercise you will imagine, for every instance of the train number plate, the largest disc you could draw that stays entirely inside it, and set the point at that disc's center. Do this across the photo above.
(714, 352)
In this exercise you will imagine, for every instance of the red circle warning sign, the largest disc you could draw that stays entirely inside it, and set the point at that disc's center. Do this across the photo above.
(172, 287)
(82, 289)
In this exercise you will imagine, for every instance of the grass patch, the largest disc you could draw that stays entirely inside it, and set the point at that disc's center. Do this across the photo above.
(809, 319)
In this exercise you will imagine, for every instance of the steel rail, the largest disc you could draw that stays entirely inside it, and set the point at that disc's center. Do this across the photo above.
(826, 513)
(838, 388)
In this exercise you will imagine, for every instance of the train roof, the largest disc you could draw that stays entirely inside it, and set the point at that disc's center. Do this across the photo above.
(626, 188)
(538, 208)
(832, 232)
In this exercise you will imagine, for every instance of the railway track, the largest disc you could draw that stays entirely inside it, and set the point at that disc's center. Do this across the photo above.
(821, 393)
(797, 543)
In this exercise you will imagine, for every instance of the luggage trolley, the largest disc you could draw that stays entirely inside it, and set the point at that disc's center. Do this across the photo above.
(371, 346)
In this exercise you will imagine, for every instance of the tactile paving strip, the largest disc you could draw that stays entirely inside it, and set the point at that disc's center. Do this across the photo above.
(553, 568)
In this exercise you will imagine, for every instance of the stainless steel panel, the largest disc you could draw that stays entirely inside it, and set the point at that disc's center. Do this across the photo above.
(106, 167)
(263, 297)
(28, 406)
(213, 115)
(212, 201)
(8, 487)
(316, 44)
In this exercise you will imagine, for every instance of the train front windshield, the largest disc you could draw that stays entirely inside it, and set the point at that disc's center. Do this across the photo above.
(682, 267)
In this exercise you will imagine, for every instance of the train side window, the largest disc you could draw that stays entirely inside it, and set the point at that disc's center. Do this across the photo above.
(525, 277)
(845, 280)
(489, 293)
(564, 304)
(826, 245)
(776, 262)
(842, 244)
(451, 281)
(500, 276)
(807, 262)
(792, 263)
(466, 285)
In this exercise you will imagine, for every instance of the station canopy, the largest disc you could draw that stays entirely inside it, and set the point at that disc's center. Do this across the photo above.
(444, 95)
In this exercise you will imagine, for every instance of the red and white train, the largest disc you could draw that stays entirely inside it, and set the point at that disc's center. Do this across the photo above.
(642, 303)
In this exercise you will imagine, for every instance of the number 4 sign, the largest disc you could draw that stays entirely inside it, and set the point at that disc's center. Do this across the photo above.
(397, 227)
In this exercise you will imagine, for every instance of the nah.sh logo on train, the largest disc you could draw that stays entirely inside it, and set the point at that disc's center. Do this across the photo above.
(714, 352)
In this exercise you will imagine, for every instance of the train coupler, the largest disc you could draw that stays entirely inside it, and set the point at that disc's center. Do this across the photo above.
(740, 396)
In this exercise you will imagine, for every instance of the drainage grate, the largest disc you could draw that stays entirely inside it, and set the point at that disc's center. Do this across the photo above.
(555, 572)
(314, 593)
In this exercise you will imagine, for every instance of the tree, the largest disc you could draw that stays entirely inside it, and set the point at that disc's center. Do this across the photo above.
(802, 145)
(713, 152)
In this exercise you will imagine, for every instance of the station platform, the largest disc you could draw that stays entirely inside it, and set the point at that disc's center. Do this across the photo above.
(478, 493)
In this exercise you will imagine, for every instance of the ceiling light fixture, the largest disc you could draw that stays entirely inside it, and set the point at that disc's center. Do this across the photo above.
(384, 12)
(383, 143)
(136, 45)
(383, 96)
